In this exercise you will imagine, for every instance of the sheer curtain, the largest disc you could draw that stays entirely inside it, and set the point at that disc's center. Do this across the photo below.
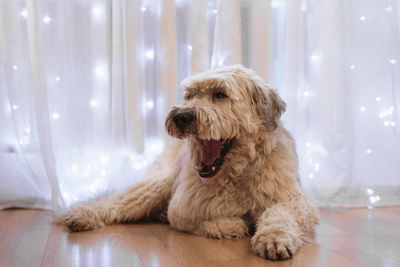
(85, 85)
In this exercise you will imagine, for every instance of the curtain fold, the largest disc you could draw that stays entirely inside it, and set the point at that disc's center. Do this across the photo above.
(85, 87)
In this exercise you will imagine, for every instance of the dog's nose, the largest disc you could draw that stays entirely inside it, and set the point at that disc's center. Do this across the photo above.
(183, 119)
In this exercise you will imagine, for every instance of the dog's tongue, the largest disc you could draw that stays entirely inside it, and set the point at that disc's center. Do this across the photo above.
(211, 151)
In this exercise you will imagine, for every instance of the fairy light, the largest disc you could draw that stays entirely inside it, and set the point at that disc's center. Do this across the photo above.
(311, 176)
(386, 123)
(308, 144)
(47, 19)
(306, 93)
(352, 67)
(368, 151)
(314, 57)
(275, 4)
(55, 116)
(97, 11)
(215, 11)
(220, 62)
(362, 18)
(24, 13)
(190, 47)
(392, 123)
(378, 99)
(362, 109)
(304, 6)
(104, 159)
(27, 129)
(150, 104)
(370, 191)
(58, 79)
(389, 8)
(99, 71)
(143, 8)
(392, 61)
(149, 54)
(15, 67)
(316, 167)
(14, 107)
(93, 103)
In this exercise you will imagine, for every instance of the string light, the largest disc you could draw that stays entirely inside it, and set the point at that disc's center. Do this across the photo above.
(58, 79)
(14, 107)
(97, 11)
(149, 54)
(55, 116)
(93, 103)
(362, 18)
(314, 57)
(190, 47)
(220, 62)
(15, 67)
(392, 61)
(306, 93)
(275, 4)
(24, 13)
(378, 99)
(150, 104)
(215, 11)
(46, 19)
(368, 151)
(352, 67)
(386, 123)
(143, 8)
(389, 8)
(362, 109)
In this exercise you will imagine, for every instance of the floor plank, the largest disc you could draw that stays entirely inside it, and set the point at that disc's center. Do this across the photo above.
(356, 237)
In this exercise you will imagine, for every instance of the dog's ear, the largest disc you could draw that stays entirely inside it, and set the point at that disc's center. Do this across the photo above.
(269, 105)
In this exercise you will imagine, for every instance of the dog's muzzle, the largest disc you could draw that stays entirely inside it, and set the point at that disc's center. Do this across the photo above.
(183, 119)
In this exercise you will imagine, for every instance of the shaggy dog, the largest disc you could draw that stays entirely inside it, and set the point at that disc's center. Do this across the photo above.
(231, 170)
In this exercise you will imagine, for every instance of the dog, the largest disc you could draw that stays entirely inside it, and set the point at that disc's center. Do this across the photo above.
(229, 170)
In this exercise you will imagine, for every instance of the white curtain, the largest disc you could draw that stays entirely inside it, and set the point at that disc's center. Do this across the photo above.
(85, 85)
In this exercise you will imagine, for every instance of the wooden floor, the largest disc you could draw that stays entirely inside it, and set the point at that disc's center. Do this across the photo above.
(357, 237)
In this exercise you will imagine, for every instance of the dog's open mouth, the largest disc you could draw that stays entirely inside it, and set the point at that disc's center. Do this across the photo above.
(213, 154)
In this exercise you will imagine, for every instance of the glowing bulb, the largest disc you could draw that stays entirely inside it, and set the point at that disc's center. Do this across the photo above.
(143, 9)
(304, 6)
(99, 71)
(389, 8)
(316, 168)
(378, 99)
(55, 116)
(370, 191)
(275, 4)
(310, 160)
(215, 11)
(24, 13)
(386, 123)
(221, 62)
(58, 79)
(150, 54)
(311, 176)
(306, 93)
(362, 18)
(93, 102)
(190, 47)
(15, 67)
(15, 107)
(308, 144)
(96, 11)
(392, 123)
(46, 19)
(314, 57)
(150, 104)
(352, 67)
(27, 129)
(368, 151)
(393, 61)
(362, 109)
(374, 199)
(74, 167)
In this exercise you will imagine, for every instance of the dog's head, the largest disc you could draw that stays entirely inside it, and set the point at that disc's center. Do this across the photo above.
(222, 109)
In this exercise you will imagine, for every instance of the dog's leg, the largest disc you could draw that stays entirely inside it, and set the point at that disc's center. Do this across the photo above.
(283, 228)
(226, 227)
(142, 200)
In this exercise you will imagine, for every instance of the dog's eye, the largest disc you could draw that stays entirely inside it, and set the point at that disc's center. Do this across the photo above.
(220, 95)
(189, 96)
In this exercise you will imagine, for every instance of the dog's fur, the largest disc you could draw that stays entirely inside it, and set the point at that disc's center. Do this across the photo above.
(256, 188)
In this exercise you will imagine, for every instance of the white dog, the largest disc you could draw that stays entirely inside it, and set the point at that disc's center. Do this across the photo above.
(231, 168)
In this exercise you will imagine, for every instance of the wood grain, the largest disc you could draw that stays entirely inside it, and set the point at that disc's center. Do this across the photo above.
(356, 237)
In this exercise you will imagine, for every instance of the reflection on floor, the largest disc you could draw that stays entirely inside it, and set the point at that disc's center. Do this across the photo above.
(356, 237)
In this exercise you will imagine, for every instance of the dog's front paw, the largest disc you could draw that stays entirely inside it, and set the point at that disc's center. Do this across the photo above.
(83, 218)
(273, 247)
